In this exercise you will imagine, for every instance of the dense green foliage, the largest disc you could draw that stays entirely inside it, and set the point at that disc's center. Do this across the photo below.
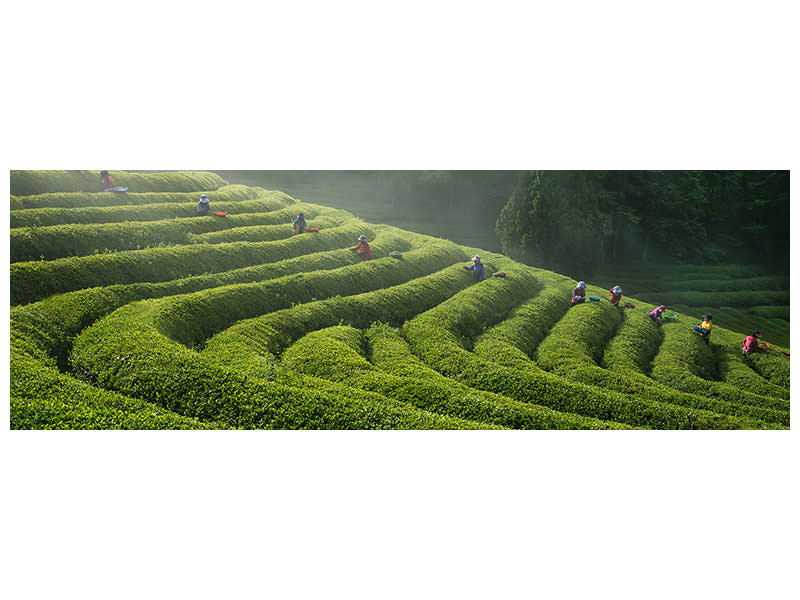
(236, 199)
(237, 323)
(574, 221)
(41, 182)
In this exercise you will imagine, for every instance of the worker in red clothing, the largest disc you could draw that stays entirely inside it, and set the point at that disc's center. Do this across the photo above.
(362, 248)
(616, 295)
(750, 343)
(579, 293)
(108, 183)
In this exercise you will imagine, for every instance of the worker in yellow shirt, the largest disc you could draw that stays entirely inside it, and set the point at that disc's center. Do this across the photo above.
(704, 329)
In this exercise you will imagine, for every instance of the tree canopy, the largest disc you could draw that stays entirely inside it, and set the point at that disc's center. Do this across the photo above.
(571, 221)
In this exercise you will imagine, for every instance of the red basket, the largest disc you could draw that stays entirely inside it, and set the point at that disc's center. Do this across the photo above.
(763, 345)
(220, 213)
(312, 229)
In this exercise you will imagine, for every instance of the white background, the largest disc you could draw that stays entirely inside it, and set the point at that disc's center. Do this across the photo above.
(414, 85)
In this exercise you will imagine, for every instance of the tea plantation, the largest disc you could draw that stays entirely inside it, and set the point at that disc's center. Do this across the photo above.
(130, 312)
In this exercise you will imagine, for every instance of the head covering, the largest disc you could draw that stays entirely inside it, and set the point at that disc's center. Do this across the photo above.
(203, 196)
(662, 307)
(581, 284)
(617, 289)
(300, 215)
(756, 334)
(476, 257)
(362, 238)
(707, 317)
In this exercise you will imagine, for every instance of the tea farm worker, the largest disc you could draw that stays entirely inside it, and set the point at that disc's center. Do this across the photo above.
(203, 206)
(656, 314)
(477, 268)
(704, 329)
(579, 293)
(362, 248)
(616, 295)
(299, 224)
(106, 181)
(750, 343)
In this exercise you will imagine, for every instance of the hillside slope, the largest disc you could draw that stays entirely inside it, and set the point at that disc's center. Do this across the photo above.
(142, 315)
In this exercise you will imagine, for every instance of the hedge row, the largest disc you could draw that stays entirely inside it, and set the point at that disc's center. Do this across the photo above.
(245, 345)
(660, 285)
(46, 328)
(336, 354)
(192, 318)
(775, 331)
(772, 366)
(124, 352)
(233, 199)
(686, 363)
(576, 343)
(40, 182)
(43, 398)
(580, 337)
(256, 233)
(62, 209)
(656, 271)
(390, 353)
(435, 337)
(31, 281)
(718, 298)
(734, 368)
(636, 343)
(771, 312)
(58, 241)
(535, 317)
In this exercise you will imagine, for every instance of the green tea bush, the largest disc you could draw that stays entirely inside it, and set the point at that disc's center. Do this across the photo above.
(335, 354)
(192, 318)
(772, 366)
(435, 337)
(257, 233)
(124, 352)
(390, 353)
(576, 343)
(779, 312)
(737, 299)
(686, 363)
(239, 200)
(31, 281)
(516, 338)
(57, 241)
(41, 182)
(270, 334)
(43, 398)
(735, 370)
(580, 337)
(664, 285)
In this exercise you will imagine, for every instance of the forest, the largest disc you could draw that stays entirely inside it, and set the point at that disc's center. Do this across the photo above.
(580, 220)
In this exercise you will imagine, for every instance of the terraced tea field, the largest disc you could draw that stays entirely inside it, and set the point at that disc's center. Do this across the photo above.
(128, 311)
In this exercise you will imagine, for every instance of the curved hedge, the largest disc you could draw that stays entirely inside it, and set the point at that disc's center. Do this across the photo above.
(31, 281)
(435, 337)
(686, 363)
(192, 318)
(244, 345)
(58, 241)
(390, 353)
(40, 182)
(43, 398)
(574, 345)
(526, 326)
(124, 352)
(736, 299)
(234, 199)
